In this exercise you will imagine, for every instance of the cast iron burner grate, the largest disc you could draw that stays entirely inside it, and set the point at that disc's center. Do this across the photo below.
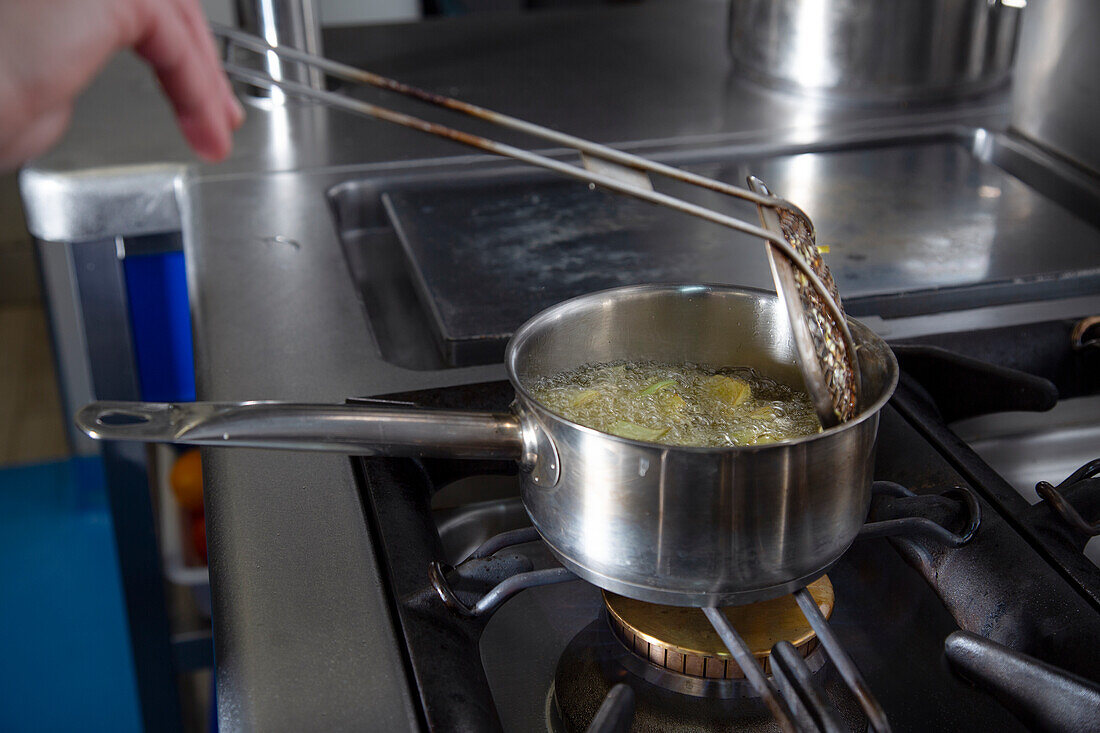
(790, 694)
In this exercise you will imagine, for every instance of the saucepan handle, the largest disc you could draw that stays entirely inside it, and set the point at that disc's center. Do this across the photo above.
(363, 430)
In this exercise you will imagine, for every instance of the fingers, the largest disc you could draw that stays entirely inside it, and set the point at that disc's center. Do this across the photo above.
(34, 138)
(190, 73)
(42, 69)
(204, 39)
(49, 51)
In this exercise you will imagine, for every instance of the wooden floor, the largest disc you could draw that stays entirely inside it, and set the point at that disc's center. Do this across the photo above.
(31, 423)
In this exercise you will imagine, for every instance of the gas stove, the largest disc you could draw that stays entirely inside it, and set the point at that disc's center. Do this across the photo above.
(959, 606)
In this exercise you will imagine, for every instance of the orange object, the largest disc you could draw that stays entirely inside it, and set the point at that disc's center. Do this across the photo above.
(186, 479)
(198, 535)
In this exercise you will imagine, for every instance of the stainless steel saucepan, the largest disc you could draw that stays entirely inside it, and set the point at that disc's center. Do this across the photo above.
(674, 525)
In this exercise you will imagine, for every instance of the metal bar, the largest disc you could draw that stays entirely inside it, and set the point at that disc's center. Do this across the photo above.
(911, 526)
(285, 24)
(848, 670)
(787, 686)
(747, 662)
(789, 667)
(505, 539)
(572, 171)
(351, 73)
(914, 525)
(491, 146)
(1062, 507)
(500, 593)
(101, 284)
(70, 348)
(1090, 469)
(1042, 696)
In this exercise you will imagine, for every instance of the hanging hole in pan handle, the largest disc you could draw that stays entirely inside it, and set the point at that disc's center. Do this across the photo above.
(141, 421)
(119, 418)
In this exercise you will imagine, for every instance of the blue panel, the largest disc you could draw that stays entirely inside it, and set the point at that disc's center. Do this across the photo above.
(160, 320)
(66, 650)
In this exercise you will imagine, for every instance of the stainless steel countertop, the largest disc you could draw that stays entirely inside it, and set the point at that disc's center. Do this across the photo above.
(303, 633)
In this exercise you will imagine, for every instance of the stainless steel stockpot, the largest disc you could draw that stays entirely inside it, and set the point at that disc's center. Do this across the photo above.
(876, 50)
(675, 525)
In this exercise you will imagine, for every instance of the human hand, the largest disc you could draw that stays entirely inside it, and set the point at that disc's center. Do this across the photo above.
(51, 49)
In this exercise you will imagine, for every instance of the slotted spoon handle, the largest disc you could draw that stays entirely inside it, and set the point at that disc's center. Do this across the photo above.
(823, 342)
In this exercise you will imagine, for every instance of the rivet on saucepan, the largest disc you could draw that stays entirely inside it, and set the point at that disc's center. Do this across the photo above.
(553, 467)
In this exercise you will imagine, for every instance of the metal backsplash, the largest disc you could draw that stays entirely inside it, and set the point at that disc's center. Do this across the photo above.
(1056, 97)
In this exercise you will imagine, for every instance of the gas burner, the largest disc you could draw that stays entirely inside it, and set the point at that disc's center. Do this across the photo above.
(680, 672)
(678, 648)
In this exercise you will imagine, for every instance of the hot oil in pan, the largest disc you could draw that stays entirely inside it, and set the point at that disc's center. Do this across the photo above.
(679, 404)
